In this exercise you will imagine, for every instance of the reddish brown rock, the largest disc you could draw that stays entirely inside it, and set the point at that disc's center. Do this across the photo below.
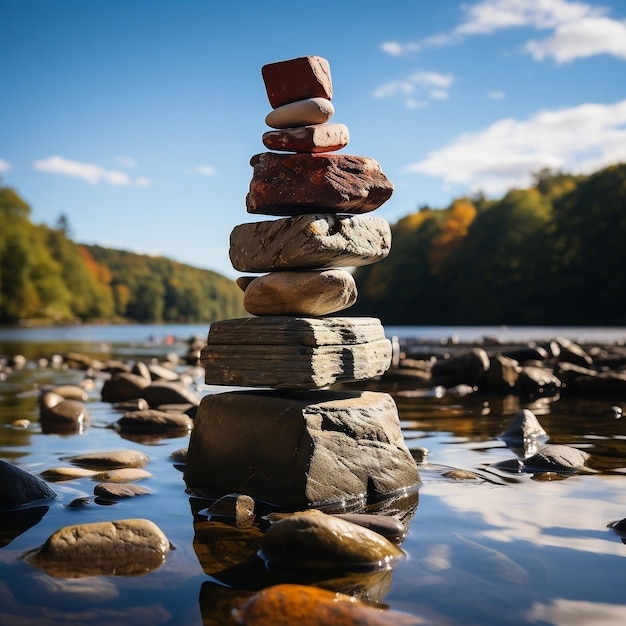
(287, 604)
(311, 139)
(313, 292)
(295, 184)
(296, 79)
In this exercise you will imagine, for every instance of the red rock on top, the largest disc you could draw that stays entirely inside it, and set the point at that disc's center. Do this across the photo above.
(297, 79)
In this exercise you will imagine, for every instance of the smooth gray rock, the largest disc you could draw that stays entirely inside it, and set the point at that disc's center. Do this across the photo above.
(154, 421)
(525, 425)
(19, 488)
(294, 352)
(299, 449)
(167, 392)
(314, 241)
(123, 387)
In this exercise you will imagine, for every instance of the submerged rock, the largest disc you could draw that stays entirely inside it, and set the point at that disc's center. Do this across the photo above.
(288, 604)
(551, 458)
(315, 539)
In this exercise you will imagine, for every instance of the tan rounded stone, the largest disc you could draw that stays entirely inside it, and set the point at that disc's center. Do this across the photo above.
(301, 113)
(315, 292)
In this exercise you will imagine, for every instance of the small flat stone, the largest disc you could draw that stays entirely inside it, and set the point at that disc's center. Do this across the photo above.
(121, 475)
(66, 473)
(314, 241)
(294, 352)
(297, 79)
(301, 113)
(71, 392)
(310, 139)
(117, 490)
(312, 292)
(110, 460)
(154, 421)
(295, 184)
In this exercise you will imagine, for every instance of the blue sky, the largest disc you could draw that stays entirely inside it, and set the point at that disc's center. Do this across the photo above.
(137, 118)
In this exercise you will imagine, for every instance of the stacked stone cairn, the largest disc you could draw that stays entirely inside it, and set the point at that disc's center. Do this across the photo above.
(296, 442)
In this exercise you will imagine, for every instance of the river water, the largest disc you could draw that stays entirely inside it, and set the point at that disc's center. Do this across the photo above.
(497, 549)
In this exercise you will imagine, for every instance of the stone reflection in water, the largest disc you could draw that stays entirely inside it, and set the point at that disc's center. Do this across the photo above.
(14, 523)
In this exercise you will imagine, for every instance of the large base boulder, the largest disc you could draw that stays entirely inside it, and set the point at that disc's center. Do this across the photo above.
(298, 449)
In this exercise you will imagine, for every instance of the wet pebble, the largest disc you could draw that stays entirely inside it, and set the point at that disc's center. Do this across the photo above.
(154, 421)
(315, 539)
(126, 547)
(117, 490)
(110, 460)
(122, 475)
(65, 416)
(66, 473)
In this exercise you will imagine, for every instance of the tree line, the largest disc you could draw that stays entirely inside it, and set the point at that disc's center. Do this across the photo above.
(45, 274)
(551, 254)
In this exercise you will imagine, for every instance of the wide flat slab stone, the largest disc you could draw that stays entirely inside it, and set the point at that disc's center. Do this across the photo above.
(311, 139)
(293, 184)
(299, 448)
(294, 352)
(296, 79)
(306, 292)
(314, 241)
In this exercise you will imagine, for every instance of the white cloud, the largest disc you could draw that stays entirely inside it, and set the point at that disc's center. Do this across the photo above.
(583, 38)
(490, 15)
(580, 139)
(203, 170)
(93, 174)
(496, 95)
(432, 84)
(127, 162)
(143, 182)
(5, 166)
(579, 29)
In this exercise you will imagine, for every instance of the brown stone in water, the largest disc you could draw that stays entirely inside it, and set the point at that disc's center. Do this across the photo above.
(117, 490)
(301, 448)
(287, 604)
(296, 79)
(311, 139)
(294, 352)
(314, 241)
(312, 292)
(294, 184)
(127, 547)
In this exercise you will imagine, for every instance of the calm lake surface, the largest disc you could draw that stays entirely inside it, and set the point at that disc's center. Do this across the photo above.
(500, 549)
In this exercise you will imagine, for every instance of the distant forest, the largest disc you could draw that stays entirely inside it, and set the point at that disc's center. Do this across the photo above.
(45, 275)
(552, 254)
